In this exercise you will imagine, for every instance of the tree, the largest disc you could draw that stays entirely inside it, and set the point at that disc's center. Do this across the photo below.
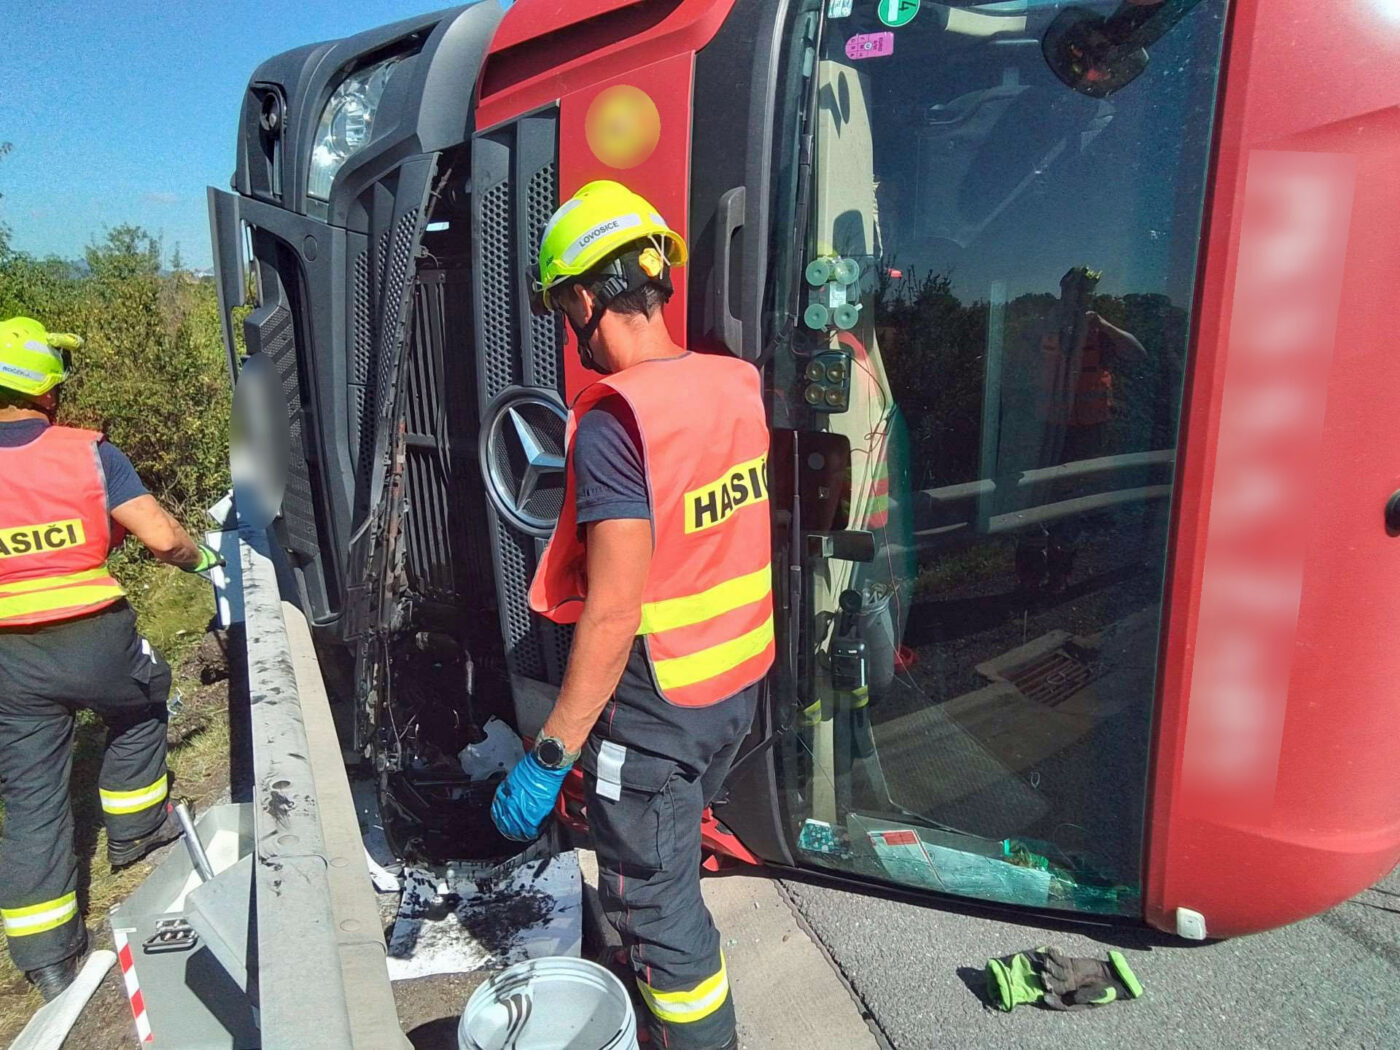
(5, 148)
(129, 251)
(177, 261)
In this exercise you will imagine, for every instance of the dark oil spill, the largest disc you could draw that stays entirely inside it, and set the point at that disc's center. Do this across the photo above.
(497, 919)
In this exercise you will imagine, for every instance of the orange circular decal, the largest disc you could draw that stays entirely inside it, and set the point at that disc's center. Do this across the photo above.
(622, 126)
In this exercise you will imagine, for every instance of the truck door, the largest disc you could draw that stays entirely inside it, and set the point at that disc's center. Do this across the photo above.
(979, 347)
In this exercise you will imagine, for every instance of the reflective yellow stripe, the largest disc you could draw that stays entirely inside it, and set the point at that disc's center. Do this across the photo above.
(45, 582)
(62, 598)
(39, 918)
(689, 609)
(684, 1007)
(134, 801)
(686, 670)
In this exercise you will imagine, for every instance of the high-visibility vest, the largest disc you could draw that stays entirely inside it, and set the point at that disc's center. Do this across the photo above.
(707, 607)
(55, 532)
(1092, 387)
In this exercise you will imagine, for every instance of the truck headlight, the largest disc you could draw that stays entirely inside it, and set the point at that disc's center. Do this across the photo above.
(346, 125)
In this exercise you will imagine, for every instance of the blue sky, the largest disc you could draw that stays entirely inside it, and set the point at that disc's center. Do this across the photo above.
(125, 112)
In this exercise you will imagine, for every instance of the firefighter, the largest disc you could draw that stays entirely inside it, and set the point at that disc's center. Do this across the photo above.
(68, 639)
(661, 558)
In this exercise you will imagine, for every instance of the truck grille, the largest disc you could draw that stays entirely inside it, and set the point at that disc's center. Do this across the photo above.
(516, 188)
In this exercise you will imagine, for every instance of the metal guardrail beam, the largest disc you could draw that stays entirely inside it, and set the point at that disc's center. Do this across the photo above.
(315, 984)
(954, 508)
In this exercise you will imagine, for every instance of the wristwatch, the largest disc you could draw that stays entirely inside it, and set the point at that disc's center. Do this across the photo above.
(551, 753)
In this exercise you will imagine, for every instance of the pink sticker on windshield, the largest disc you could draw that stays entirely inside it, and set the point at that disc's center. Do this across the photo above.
(870, 45)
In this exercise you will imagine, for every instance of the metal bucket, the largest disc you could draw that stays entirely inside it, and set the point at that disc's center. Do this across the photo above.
(557, 1003)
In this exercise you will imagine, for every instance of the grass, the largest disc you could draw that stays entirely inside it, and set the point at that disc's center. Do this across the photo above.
(173, 609)
(975, 564)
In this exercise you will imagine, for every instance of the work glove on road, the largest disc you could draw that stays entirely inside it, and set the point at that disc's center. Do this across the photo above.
(1012, 980)
(1058, 981)
(209, 558)
(1077, 984)
(525, 798)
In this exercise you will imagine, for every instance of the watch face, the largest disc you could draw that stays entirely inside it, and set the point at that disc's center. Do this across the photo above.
(550, 752)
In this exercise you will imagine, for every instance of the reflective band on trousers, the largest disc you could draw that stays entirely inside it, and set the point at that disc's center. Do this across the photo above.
(671, 613)
(695, 667)
(39, 918)
(684, 1007)
(134, 801)
(27, 597)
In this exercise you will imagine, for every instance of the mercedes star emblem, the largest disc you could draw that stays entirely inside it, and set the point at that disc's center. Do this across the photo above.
(522, 458)
(538, 462)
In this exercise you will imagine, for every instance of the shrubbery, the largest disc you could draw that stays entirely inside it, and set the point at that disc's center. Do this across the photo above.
(152, 373)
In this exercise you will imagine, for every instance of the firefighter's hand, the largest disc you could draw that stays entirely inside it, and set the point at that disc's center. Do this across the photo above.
(525, 798)
(209, 558)
(64, 340)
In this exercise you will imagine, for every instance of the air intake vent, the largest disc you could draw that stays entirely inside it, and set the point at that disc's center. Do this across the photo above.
(520, 359)
(547, 331)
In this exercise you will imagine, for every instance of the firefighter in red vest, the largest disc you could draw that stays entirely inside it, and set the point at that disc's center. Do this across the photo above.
(68, 639)
(661, 559)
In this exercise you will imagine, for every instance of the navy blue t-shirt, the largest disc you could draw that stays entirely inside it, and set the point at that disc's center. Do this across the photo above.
(609, 475)
(123, 483)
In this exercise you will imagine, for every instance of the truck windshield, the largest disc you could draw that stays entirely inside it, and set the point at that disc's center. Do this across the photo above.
(983, 372)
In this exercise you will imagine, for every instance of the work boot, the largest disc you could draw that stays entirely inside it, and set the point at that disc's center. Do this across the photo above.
(53, 980)
(123, 853)
(645, 1038)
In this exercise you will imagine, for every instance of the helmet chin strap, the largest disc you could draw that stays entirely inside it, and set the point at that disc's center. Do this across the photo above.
(584, 334)
(623, 274)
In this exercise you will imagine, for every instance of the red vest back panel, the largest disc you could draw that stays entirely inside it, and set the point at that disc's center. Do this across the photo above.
(55, 531)
(707, 608)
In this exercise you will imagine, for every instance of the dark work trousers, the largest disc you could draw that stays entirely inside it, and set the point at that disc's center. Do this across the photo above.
(649, 773)
(100, 662)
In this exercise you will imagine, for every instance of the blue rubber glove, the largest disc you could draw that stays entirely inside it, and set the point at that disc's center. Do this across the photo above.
(525, 798)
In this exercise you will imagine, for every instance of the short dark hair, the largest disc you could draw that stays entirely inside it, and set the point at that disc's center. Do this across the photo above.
(645, 300)
(14, 399)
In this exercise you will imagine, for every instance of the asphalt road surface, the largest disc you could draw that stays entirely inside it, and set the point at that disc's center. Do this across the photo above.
(1332, 981)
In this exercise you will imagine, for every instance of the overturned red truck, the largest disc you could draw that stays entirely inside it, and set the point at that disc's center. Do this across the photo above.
(1075, 322)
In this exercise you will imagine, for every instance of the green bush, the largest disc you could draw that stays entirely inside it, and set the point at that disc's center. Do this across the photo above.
(152, 373)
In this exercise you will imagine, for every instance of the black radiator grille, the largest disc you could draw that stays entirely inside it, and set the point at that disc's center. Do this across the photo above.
(397, 274)
(546, 332)
(498, 330)
(524, 651)
(427, 525)
(364, 322)
(361, 425)
(516, 185)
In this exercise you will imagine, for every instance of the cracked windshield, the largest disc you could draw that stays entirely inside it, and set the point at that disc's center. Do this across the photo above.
(991, 317)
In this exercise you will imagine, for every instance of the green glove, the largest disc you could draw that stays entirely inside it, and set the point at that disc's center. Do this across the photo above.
(1077, 984)
(1058, 981)
(64, 340)
(1012, 980)
(209, 558)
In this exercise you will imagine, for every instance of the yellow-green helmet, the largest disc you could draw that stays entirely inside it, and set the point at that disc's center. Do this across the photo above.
(599, 219)
(34, 360)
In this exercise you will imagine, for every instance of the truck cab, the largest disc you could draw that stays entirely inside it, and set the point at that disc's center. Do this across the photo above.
(1070, 319)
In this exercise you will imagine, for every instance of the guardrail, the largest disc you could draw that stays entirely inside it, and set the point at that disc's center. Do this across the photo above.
(322, 976)
(988, 506)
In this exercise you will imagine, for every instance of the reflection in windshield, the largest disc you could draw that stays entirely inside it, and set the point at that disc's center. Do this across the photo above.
(986, 378)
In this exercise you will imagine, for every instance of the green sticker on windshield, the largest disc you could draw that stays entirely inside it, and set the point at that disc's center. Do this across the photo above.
(896, 13)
